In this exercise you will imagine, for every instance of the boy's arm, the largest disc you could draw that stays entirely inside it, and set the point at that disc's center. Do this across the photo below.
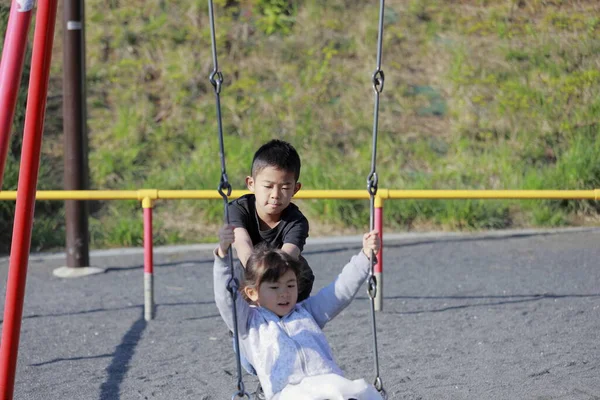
(336, 296)
(291, 249)
(239, 217)
(295, 237)
(243, 245)
(221, 276)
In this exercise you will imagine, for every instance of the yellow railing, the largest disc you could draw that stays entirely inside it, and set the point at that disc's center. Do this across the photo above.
(383, 194)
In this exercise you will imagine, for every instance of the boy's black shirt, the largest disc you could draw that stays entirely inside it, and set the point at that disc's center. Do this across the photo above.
(293, 227)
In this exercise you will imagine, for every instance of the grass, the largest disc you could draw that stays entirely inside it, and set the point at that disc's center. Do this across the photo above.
(478, 95)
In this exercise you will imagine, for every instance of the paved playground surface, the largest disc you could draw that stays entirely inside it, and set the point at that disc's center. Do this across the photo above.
(485, 316)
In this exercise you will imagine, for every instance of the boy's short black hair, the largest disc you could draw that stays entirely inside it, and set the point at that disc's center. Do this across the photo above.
(279, 154)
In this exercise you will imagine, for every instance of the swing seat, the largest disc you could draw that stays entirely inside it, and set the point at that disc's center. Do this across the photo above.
(329, 387)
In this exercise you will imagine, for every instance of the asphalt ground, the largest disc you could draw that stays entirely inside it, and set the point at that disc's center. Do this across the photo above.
(504, 315)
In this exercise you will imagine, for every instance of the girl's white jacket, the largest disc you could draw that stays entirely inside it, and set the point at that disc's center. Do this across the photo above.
(284, 350)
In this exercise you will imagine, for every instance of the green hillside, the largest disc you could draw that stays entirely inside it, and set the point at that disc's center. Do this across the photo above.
(478, 95)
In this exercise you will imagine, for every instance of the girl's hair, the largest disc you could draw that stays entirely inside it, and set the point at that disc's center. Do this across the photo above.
(268, 265)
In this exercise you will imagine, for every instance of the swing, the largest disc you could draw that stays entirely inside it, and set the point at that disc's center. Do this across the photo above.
(224, 189)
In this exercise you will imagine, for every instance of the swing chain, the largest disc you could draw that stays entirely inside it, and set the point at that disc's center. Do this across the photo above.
(216, 79)
(372, 181)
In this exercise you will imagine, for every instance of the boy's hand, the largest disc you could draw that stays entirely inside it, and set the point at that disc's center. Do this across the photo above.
(372, 242)
(226, 238)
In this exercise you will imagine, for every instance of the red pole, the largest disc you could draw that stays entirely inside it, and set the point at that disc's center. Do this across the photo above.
(148, 261)
(379, 266)
(11, 69)
(28, 175)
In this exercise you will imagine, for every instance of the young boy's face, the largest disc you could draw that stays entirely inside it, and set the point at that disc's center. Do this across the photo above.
(273, 189)
(279, 297)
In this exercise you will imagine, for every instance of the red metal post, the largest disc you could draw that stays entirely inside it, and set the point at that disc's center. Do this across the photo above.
(379, 266)
(28, 175)
(11, 70)
(148, 261)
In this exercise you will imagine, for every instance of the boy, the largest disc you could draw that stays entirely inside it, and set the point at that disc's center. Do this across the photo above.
(267, 214)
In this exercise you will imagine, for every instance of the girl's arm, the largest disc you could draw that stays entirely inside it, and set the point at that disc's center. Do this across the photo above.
(332, 299)
(221, 276)
(336, 296)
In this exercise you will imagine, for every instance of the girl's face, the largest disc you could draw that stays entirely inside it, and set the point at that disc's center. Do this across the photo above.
(280, 297)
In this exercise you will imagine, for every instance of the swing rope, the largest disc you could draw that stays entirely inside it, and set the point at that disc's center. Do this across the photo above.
(216, 79)
(372, 179)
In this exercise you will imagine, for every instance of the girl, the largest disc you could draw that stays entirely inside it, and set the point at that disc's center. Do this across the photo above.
(283, 339)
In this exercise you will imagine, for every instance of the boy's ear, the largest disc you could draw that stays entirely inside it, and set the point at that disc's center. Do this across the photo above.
(298, 186)
(250, 183)
(251, 293)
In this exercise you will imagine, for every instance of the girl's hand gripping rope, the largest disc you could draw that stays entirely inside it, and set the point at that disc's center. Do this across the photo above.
(371, 241)
(226, 238)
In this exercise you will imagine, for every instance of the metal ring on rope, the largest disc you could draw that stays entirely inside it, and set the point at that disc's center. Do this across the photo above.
(372, 183)
(216, 82)
(378, 80)
(241, 392)
(379, 386)
(233, 284)
(224, 185)
(372, 286)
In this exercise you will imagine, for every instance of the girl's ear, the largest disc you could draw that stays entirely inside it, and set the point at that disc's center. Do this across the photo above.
(251, 293)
